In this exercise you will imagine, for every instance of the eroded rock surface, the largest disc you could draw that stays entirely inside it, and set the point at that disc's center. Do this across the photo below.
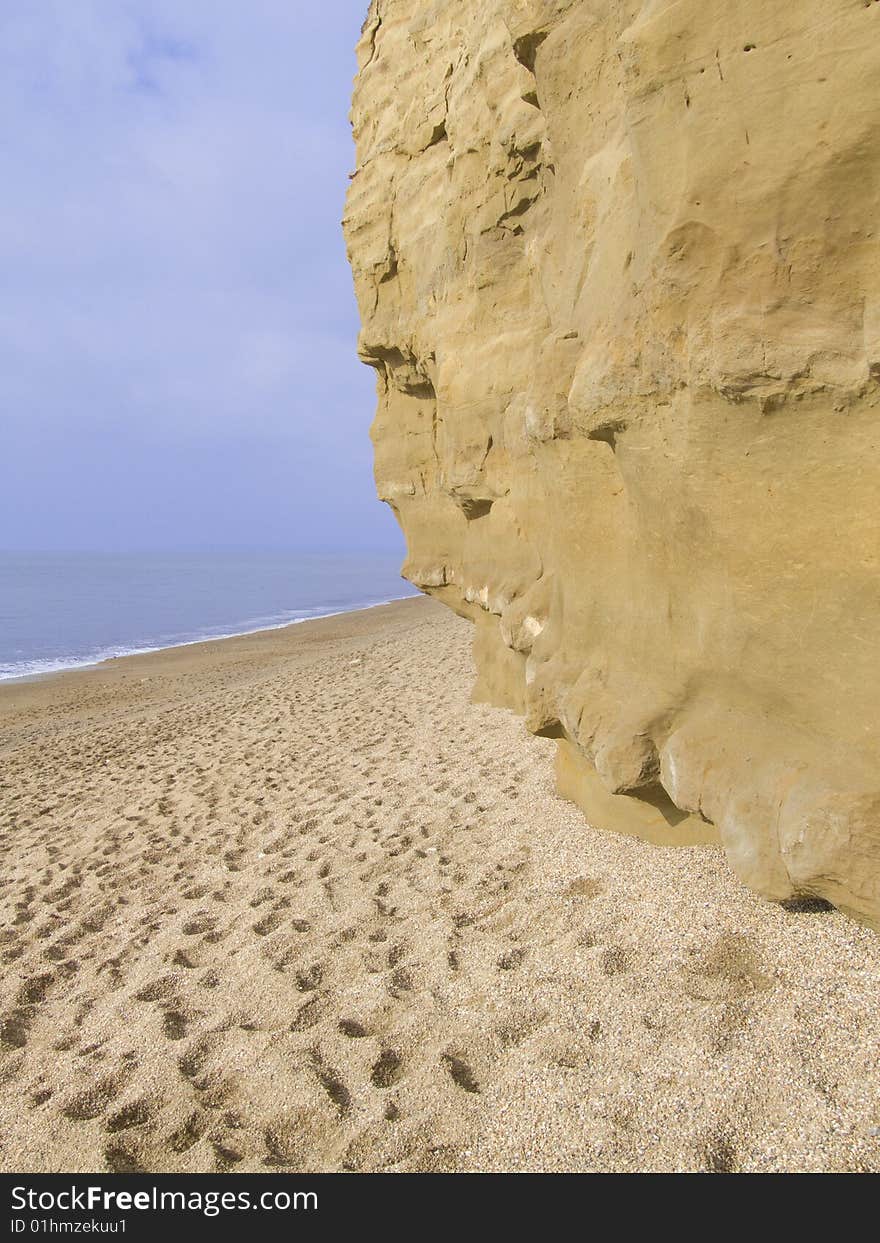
(619, 273)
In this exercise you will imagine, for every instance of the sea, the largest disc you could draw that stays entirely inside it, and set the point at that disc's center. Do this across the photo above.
(65, 610)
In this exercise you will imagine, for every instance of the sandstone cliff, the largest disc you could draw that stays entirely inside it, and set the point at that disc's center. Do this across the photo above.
(618, 267)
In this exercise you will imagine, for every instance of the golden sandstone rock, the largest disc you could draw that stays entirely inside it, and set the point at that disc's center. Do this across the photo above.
(618, 268)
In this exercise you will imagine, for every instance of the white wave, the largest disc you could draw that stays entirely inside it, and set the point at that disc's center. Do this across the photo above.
(22, 671)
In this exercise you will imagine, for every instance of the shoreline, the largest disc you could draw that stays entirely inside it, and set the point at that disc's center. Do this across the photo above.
(78, 666)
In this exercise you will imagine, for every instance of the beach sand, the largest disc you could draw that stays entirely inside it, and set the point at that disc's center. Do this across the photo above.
(291, 901)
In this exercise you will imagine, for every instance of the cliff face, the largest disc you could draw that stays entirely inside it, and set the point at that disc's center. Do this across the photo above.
(618, 267)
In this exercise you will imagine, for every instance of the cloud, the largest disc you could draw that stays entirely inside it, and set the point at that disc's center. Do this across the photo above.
(175, 282)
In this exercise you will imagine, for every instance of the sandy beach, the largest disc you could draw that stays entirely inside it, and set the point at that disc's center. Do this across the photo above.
(291, 901)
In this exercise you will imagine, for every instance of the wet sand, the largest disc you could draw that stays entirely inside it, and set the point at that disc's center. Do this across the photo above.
(290, 901)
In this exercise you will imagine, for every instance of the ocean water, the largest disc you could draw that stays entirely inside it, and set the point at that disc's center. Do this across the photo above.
(61, 611)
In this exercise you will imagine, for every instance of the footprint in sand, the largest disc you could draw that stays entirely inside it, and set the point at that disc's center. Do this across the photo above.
(387, 1069)
(15, 1026)
(333, 1085)
(174, 1024)
(91, 1103)
(188, 1134)
(122, 1159)
(309, 978)
(138, 1113)
(460, 1072)
(352, 1029)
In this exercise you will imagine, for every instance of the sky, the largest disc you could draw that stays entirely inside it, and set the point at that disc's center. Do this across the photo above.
(177, 321)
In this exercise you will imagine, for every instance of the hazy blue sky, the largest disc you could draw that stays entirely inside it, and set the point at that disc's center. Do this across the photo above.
(177, 324)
